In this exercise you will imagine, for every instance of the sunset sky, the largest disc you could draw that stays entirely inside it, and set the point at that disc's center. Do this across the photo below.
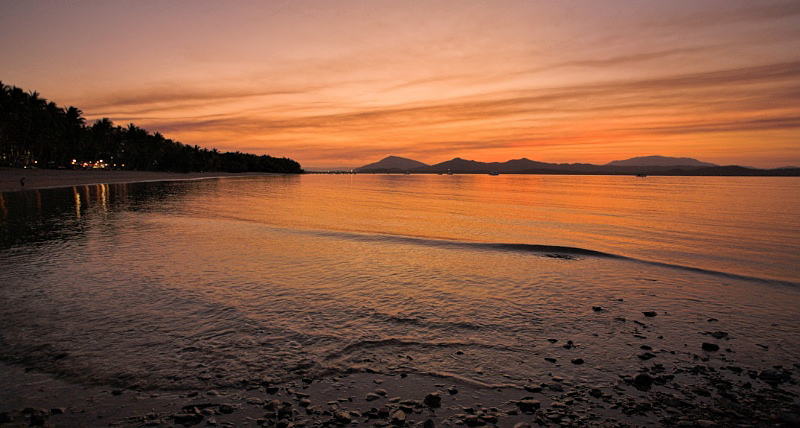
(345, 83)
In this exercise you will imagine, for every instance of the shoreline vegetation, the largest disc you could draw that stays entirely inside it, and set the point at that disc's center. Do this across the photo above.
(36, 133)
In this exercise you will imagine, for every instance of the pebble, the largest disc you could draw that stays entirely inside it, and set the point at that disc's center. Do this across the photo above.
(710, 346)
(577, 361)
(433, 400)
(529, 405)
(342, 417)
(649, 313)
(643, 381)
(533, 388)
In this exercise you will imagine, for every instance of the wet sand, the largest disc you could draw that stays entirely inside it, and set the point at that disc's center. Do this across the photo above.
(713, 390)
(48, 178)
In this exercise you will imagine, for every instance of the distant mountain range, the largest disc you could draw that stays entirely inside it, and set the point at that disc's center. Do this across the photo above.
(392, 164)
(660, 161)
(648, 165)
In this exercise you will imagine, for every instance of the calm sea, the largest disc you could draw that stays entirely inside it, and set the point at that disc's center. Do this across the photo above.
(205, 283)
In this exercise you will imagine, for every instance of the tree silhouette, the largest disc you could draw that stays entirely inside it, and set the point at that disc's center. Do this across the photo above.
(37, 132)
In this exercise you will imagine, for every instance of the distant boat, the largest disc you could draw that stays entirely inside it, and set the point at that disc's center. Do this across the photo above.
(449, 172)
(494, 173)
(406, 173)
(641, 175)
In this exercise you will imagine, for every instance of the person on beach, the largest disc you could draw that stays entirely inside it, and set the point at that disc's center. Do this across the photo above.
(22, 181)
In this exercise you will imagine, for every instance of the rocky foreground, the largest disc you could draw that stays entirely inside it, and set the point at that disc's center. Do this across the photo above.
(702, 395)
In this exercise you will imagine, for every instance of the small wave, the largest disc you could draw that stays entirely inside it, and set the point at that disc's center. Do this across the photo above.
(420, 322)
(393, 342)
(405, 343)
(553, 251)
(467, 380)
(549, 251)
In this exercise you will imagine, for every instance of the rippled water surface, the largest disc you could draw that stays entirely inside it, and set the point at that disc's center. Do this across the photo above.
(198, 283)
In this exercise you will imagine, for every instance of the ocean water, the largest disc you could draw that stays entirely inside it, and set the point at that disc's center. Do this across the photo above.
(193, 284)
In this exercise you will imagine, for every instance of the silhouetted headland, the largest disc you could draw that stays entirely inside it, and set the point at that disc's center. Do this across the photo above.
(38, 133)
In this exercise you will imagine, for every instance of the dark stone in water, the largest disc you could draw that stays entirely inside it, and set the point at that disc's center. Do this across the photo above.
(226, 409)
(429, 424)
(710, 346)
(550, 359)
(529, 405)
(342, 417)
(474, 421)
(773, 376)
(187, 418)
(533, 388)
(577, 361)
(643, 381)
(452, 390)
(649, 313)
(597, 308)
(38, 417)
(433, 400)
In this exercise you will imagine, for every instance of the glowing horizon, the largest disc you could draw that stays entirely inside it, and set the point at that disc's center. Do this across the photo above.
(349, 83)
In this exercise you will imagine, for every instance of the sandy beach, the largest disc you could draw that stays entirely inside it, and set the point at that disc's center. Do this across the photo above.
(712, 392)
(10, 178)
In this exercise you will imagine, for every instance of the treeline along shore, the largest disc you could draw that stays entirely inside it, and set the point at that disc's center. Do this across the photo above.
(35, 132)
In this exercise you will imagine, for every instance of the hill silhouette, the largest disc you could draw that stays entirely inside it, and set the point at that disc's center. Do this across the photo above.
(647, 165)
(392, 164)
(656, 160)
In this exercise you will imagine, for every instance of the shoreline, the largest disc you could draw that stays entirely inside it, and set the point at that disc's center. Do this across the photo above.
(705, 398)
(36, 179)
